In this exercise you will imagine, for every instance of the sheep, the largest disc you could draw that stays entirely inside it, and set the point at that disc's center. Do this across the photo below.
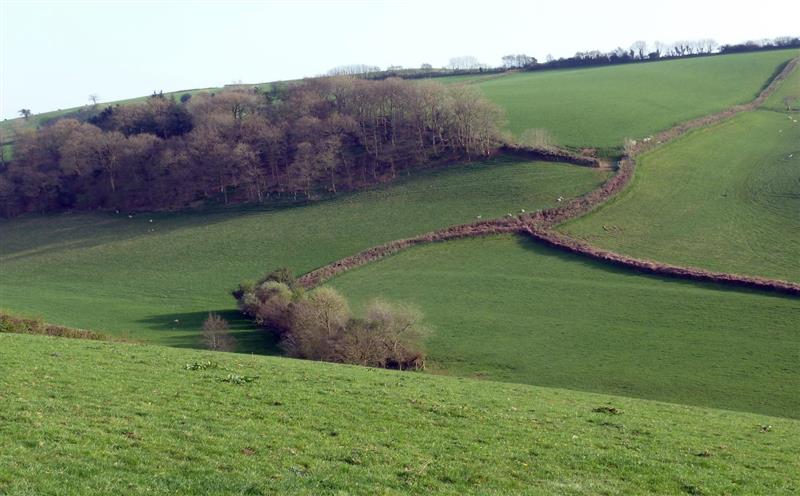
(479, 217)
(130, 216)
(151, 221)
(523, 210)
(560, 199)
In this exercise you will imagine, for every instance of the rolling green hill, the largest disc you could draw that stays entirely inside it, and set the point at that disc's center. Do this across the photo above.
(790, 88)
(118, 274)
(505, 308)
(600, 107)
(724, 198)
(82, 417)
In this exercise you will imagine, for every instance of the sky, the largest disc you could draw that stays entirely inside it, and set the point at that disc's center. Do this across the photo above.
(53, 55)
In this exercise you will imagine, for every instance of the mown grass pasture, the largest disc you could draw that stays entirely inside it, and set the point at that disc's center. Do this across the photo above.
(157, 280)
(98, 418)
(724, 198)
(600, 107)
(506, 308)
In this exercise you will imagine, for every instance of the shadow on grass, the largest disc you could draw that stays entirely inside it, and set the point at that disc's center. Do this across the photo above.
(185, 328)
(56, 232)
(543, 250)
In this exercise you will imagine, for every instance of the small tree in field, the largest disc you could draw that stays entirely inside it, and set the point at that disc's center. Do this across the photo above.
(25, 113)
(216, 334)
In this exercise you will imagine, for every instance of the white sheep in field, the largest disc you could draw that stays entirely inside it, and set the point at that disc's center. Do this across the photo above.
(560, 199)
(479, 217)
(523, 210)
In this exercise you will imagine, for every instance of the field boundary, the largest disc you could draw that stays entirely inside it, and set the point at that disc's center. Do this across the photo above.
(538, 225)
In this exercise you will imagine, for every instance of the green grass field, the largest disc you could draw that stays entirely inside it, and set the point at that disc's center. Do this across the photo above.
(82, 417)
(600, 107)
(110, 273)
(505, 308)
(725, 198)
(789, 88)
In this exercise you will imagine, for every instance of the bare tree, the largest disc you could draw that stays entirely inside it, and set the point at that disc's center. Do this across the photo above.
(521, 60)
(25, 113)
(639, 49)
(464, 63)
(661, 48)
(354, 70)
(94, 98)
(216, 334)
(708, 45)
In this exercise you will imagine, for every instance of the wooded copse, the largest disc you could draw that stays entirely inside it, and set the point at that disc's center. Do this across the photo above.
(294, 140)
(318, 325)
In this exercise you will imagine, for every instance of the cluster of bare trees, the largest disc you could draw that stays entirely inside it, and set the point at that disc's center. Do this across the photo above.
(763, 44)
(246, 145)
(354, 70)
(319, 325)
(465, 63)
(518, 61)
(641, 50)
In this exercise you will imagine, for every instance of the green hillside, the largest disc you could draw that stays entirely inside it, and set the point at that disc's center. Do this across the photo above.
(789, 88)
(600, 107)
(724, 198)
(82, 417)
(506, 308)
(111, 273)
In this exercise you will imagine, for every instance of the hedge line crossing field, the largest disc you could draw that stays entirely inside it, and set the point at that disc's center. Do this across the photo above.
(725, 198)
(108, 272)
(600, 107)
(97, 418)
(789, 88)
(506, 308)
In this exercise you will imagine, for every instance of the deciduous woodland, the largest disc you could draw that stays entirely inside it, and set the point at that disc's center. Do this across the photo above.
(295, 140)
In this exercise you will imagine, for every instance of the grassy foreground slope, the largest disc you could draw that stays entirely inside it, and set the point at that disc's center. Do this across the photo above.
(110, 273)
(725, 198)
(505, 308)
(600, 107)
(97, 418)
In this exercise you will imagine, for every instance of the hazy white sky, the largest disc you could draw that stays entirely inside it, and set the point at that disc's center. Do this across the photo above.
(54, 54)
